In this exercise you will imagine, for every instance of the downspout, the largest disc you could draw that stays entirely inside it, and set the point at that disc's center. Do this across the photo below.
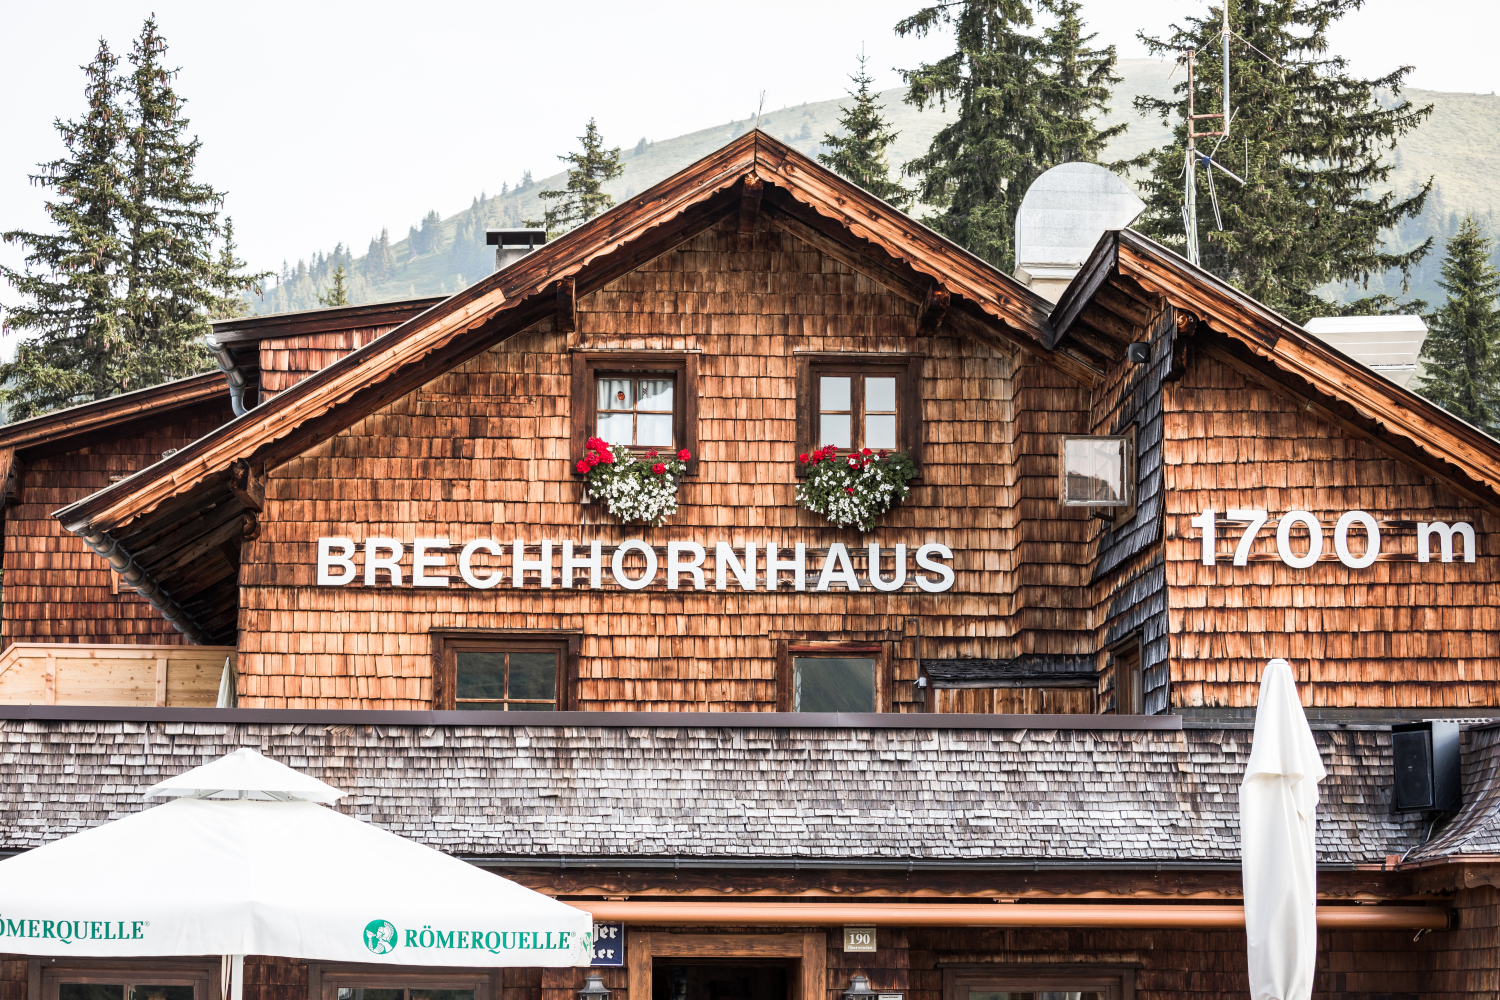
(123, 563)
(232, 373)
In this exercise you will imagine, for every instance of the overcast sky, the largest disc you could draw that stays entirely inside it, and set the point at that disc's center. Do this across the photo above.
(326, 121)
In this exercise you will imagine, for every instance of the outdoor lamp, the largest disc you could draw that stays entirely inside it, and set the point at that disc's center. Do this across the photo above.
(593, 988)
(859, 989)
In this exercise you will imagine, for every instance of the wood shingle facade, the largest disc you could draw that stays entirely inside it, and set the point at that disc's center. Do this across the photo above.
(1050, 706)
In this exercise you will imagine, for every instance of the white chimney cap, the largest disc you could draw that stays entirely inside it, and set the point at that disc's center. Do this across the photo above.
(1064, 213)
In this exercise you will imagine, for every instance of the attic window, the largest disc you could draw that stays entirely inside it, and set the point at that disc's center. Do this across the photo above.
(636, 400)
(1098, 471)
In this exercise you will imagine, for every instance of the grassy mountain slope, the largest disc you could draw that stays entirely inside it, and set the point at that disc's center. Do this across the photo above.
(1460, 146)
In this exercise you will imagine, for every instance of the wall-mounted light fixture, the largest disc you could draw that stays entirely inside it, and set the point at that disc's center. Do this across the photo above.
(593, 988)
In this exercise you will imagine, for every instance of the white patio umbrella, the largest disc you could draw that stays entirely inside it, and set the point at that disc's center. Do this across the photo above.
(1278, 859)
(246, 861)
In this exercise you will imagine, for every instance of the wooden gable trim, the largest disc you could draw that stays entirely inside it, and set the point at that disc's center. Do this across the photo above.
(51, 430)
(513, 299)
(1371, 404)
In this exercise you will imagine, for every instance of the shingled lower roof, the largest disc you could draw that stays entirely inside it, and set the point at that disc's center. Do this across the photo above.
(728, 792)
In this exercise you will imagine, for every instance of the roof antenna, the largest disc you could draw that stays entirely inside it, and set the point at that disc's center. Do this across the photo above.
(1225, 116)
(760, 108)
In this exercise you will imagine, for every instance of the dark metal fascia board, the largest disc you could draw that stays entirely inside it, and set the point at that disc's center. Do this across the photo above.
(664, 720)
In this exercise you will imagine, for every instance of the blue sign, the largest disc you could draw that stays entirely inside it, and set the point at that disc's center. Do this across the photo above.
(609, 944)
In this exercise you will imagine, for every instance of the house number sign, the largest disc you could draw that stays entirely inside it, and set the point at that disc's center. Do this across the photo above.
(1449, 538)
(685, 565)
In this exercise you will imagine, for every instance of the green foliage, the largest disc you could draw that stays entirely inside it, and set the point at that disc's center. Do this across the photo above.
(860, 152)
(1462, 351)
(1025, 105)
(121, 295)
(853, 490)
(583, 197)
(72, 278)
(338, 290)
(1310, 138)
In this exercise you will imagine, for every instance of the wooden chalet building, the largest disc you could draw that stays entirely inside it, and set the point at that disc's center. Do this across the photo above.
(989, 749)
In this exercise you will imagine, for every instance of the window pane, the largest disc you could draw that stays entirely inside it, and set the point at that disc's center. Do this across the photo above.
(834, 430)
(880, 430)
(614, 428)
(90, 991)
(614, 394)
(833, 393)
(481, 674)
(655, 394)
(441, 994)
(833, 684)
(363, 994)
(533, 675)
(880, 395)
(140, 992)
(1095, 470)
(653, 430)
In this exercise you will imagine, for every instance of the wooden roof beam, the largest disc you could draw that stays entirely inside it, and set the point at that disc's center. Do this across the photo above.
(750, 195)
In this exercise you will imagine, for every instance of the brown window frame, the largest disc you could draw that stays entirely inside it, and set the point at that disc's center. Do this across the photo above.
(589, 365)
(789, 650)
(1116, 982)
(325, 980)
(907, 370)
(447, 643)
(46, 973)
(1118, 513)
(1133, 644)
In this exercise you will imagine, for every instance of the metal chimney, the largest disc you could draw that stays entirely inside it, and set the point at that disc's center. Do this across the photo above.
(513, 244)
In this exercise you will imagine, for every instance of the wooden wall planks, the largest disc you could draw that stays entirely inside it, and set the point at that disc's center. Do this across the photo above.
(485, 450)
(285, 361)
(1396, 634)
(56, 590)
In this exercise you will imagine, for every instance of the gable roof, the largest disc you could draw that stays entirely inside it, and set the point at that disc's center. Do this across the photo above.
(1128, 274)
(74, 426)
(753, 174)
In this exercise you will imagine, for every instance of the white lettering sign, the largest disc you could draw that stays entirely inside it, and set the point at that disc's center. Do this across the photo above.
(635, 565)
(1287, 548)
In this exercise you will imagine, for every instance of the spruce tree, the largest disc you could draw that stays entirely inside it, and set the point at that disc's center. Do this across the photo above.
(583, 197)
(859, 154)
(1076, 87)
(1462, 351)
(338, 291)
(1307, 136)
(73, 278)
(174, 280)
(1025, 104)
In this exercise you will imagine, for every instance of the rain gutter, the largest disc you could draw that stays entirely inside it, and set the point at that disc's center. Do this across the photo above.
(232, 374)
(123, 563)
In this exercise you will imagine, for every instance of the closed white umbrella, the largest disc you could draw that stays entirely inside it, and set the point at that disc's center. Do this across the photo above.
(246, 861)
(1278, 857)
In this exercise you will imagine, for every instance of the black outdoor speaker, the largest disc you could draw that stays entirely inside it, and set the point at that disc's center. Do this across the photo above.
(1427, 768)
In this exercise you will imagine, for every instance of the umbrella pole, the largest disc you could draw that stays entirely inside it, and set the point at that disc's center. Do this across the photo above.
(232, 978)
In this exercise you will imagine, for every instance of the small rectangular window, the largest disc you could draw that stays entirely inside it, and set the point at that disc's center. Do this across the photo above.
(1039, 983)
(636, 412)
(854, 402)
(833, 684)
(502, 673)
(127, 979)
(635, 400)
(334, 982)
(1130, 695)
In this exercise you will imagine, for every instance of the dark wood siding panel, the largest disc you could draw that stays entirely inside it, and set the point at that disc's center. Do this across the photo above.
(285, 361)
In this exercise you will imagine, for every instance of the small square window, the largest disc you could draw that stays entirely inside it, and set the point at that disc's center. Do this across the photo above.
(501, 673)
(637, 401)
(1097, 471)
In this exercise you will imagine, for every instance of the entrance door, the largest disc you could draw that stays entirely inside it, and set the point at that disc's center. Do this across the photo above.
(729, 979)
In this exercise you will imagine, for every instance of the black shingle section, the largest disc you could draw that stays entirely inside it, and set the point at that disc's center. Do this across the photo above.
(1029, 670)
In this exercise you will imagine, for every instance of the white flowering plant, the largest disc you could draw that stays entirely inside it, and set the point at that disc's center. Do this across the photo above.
(633, 488)
(854, 490)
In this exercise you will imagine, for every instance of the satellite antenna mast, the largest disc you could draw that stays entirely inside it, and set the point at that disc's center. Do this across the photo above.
(1190, 190)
